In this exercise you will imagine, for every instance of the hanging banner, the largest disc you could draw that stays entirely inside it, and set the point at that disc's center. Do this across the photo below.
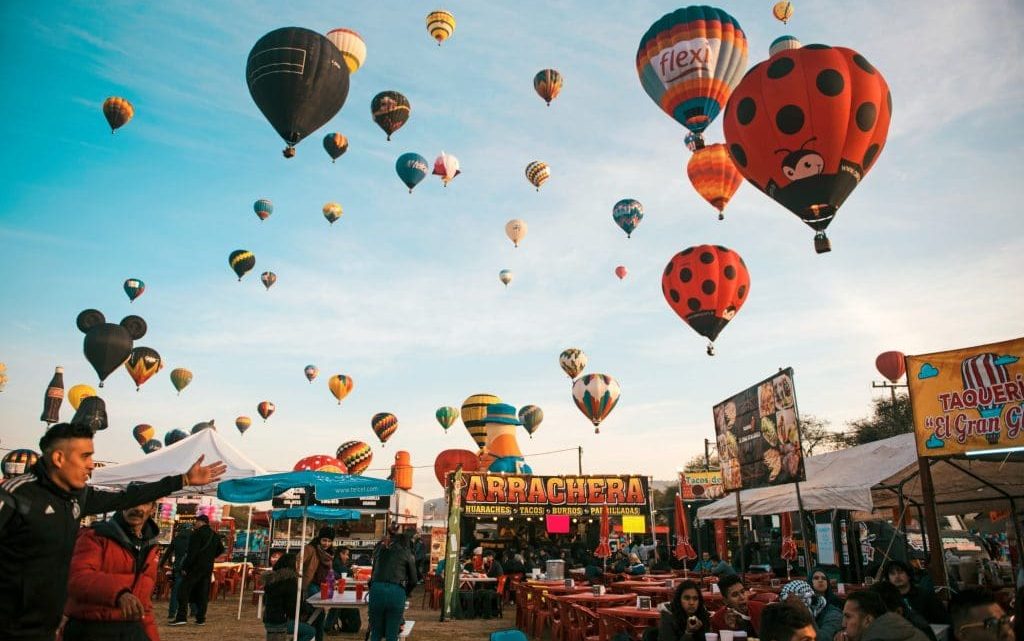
(697, 486)
(576, 496)
(438, 539)
(450, 601)
(968, 400)
(826, 543)
(758, 434)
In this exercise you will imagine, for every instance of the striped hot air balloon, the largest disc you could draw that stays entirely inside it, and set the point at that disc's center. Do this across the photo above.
(714, 176)
(981, 371)
(17, 462)
(356, 456)
(340, 385)
(118, 112)
(474, 414)
(783, 43)
(241, 262)
(441, 25)
(242, 423)
(351, 45)
(547, 83)
(596, 395)
(531, 416)
(689, 62)
(446, 416)
(537, 173)
(180, 378)
(263, 208)
(384, 425)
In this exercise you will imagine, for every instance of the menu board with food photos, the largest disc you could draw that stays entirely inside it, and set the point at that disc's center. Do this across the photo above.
(758, 433)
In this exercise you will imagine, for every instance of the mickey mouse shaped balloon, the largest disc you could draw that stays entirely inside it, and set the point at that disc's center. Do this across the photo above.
(107, 345)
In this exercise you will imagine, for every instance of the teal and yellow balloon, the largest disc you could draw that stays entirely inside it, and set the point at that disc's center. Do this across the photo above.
(689, 62)
(531, 416)
(627, 214)
(446, 416)
(412, 168)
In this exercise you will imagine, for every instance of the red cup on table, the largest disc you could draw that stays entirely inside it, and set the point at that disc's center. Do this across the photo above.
(359, 591)
(341, 584)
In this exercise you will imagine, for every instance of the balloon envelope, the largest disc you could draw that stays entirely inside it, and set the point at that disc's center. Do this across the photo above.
(446, 416)
(384, 425)
(151, 446)
(180, 378)
(537, 173)
(298, 79)
(241, 262)
(441, 25)
(173, 436)
(340, 385)
(448, 460)
(447, 167)
(311, 371)
(142, 364)
(621, 271)
(143, 433)
(783, 43)
(321, 463)
(263, 208)
(547, 83)
(17, 462)
(356, 456)
(474, 411)
(714, 175)
(79, 392)
(332, 212)
(268, 279)
(118, 112)
(506, 276)
(412, 169)
(134, 288)
(242, 423)
(390, 111)
(351, 45)
(531, 417)
(627, 214)
(892, 365)
(335, 145)
(783, 11)
(516, 230)
(572, 361)
(596, 395)
(265, 409)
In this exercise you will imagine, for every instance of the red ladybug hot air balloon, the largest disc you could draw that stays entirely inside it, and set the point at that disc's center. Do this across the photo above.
(892, 365)
(706, 285)
(806, 126)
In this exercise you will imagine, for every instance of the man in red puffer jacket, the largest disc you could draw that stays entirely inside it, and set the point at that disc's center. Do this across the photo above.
(112, 577)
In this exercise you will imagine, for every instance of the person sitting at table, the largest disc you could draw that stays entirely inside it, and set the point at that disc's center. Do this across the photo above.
(705, 564)
(818, 578)
(918, 599)
(492, 566)
(347, 619)
(788, 622)
(861, 610)
(342, 561)
(894, 605)
(635, 566)
(619, 562)
(685, 617)
(318, 560)
(279, 590)
(721, 568)
(828, 619)
(735, 614)
(514, 564)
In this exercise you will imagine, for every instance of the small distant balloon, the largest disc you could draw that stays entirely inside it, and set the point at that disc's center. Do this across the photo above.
(447, 167)
(335, 145)
(547, 83)
(134, 288)
(783, 11)
(390, 111)
(506, 276)
(142, 364)
(531, 416)
(263, 208)
(621, 272)
(243, 423)
(516, 230)
(241, 261)
(596, 395)
(537, 173)
(572, 361)
(332, 212)
(412, 169)
(627, 214)
(311, 371)
(441, 25)
(118, 112)
(268, 279)
(180, 378)
(265, 409)
(143, 433)
(340, 386)
(446, 416)
(783, 43)
(173, 436)
(151, 446)
(384, 425)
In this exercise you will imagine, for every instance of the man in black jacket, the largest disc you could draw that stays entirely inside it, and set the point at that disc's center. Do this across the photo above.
(39, 519)
(393, 579)
(203, 547)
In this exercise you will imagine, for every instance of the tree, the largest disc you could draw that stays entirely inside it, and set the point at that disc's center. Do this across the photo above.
(816, 437)
(696, 463)
(887, 419)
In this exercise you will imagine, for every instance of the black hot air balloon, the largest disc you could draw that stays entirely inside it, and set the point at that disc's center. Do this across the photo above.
(241, 261)
(390, 110)
(107, 345)
(298, 79)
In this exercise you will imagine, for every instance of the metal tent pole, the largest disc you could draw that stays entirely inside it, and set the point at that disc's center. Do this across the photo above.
(245, 561)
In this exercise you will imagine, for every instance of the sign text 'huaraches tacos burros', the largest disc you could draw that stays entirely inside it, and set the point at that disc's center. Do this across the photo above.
(527, 495)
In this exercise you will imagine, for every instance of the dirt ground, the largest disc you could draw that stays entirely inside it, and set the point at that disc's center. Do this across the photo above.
(222, 625)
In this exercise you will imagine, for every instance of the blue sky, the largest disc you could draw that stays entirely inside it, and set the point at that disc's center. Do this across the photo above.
(402, 293)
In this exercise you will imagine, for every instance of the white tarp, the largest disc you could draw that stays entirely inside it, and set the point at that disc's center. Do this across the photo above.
(176, 459)
(835, 480)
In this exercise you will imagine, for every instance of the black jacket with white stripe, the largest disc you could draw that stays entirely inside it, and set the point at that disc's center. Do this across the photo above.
(38, 526)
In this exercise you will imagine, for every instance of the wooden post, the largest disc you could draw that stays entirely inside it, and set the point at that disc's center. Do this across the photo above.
(936, 564)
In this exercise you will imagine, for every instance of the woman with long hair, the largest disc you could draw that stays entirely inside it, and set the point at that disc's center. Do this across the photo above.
(280, 587)
(685, 617)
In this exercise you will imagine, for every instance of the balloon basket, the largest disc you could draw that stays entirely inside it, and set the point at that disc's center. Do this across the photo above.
(822, 244)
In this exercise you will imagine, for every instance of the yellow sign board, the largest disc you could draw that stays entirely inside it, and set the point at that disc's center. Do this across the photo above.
(968, 400)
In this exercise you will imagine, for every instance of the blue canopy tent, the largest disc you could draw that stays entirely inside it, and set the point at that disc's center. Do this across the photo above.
(325, 485)
(316, 512)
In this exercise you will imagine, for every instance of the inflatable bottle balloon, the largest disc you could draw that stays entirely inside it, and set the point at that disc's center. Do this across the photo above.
(53, 398)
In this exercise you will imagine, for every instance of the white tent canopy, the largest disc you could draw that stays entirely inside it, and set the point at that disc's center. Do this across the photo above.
(835, 480)
(176, 459)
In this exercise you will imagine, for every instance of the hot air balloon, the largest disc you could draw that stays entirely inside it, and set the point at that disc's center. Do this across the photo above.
(547, 83)
(203, 425)
(384, 425)
(627, 214)
(980, 372)
(537, 173)
(241, 261)
(335, 145)
(142, 364)
(689, 62)
(506, 276)
(134, 288)
(321, 463)
(448, 460)
(265, 409)
(806, 126)
(531, 416)
(17, 462)
(180, 378)
(106, 345)
(596, 396)
(516, 229)
(351, 45)
(263, 208)
(446, 416)
(3, 376)
(243, 423)
(572, 361)
(79, 392)
(891, 365)
(447, 167)
(298, 79)
(706, 285)
(311, 371)
(356, 456)
(621, 271)
(173, 436)
(340, 385)
(783, 43)
(714, 176)
(441, 25)
(92, 412)
(152, 445)
(474, 411)
(783, 11)
(411, 168)
(118, 112)
(268, 279)
(143, 433)
(332, 212)
(390, 111)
